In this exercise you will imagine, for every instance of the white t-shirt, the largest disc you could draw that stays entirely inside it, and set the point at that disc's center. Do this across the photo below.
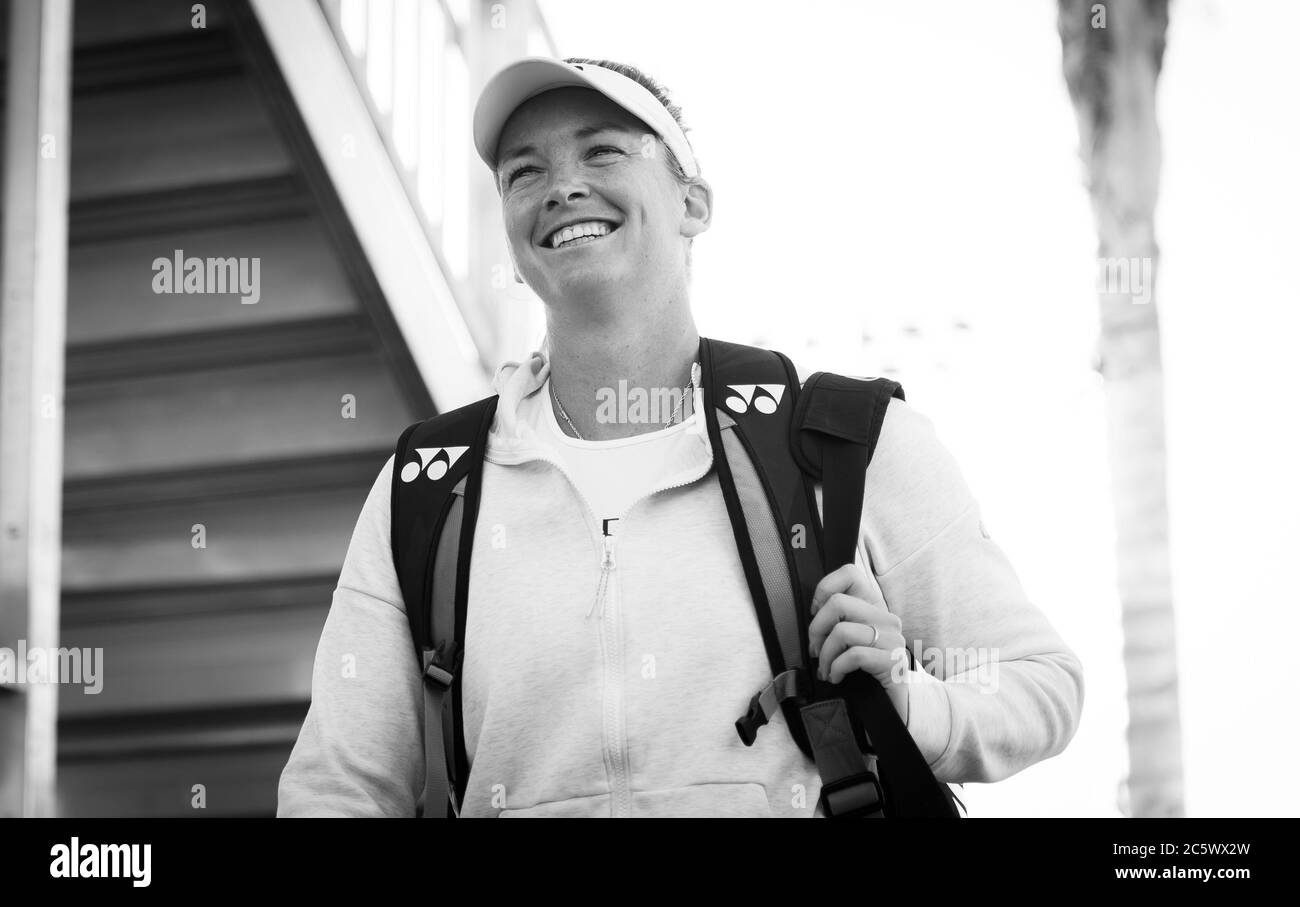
(613, 475)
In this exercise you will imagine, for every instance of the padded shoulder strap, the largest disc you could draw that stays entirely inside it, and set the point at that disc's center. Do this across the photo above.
(431, 459)
(749, 400)
(843, 415)
(837, 426)
(437, 478)
(750, 396)
(772, 441)
(768, 436)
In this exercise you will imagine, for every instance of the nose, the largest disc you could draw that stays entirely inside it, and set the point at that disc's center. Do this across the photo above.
(565, 188)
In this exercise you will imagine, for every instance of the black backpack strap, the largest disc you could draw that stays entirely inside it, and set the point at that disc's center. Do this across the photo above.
(833, 437)
(437, 479)
(837, 425)
(771, 442)
(749, 398)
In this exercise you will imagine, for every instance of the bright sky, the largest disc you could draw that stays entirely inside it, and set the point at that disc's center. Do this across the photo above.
(898, 193)
(1232, 316)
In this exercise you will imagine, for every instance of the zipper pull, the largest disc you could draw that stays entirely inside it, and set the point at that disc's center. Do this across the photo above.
(607, 564)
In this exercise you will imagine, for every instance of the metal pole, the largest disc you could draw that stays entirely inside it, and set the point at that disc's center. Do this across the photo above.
(33, 324)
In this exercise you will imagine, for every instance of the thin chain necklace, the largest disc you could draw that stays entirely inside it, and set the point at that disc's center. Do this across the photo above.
(690, 389)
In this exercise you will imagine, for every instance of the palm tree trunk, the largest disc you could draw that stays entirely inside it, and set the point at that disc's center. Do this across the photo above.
(1112, 55)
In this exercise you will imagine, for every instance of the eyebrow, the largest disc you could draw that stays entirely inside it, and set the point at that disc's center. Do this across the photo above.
(581, 132)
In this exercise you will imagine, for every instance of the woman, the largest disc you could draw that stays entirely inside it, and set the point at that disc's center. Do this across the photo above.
(611, 638)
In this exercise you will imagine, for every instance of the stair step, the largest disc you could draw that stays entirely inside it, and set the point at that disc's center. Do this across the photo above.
(235, 783)
(111, 295)
(188, 57)
(239, 539)
(267, 411)
(171, 136)
(197, 662)
(254, 479)
(163, 602)
(207, 206)
(97, 24)
(144, 357)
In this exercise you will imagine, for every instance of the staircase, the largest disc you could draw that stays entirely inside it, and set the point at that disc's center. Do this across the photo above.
(217, 453)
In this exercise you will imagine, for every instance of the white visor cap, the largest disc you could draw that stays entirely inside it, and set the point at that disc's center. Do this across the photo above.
(531, 76)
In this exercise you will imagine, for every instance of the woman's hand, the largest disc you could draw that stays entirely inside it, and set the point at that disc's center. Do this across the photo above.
(852, 630)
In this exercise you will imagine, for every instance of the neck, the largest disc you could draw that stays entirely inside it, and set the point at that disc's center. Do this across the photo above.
(589, 357)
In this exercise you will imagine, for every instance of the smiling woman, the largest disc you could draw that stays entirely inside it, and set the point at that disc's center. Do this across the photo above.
(656, 122)
(632, 614)
(573, 163)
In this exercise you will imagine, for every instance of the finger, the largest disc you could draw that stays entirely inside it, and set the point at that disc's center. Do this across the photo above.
(841, 607)
(887, 666)
(849, 579)
(847, 635)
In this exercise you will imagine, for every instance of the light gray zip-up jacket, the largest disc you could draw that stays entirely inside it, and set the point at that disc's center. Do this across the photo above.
(629, 709)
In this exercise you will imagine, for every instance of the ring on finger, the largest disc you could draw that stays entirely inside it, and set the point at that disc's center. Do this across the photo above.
(875, 634)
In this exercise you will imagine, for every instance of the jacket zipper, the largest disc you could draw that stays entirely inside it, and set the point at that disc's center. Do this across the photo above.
(619, 760)
(607, 565)
(616, 756)
(611, 645)
(607, 560)
(613, 752)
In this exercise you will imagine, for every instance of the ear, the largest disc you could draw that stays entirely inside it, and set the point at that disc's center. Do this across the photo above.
(697, 208)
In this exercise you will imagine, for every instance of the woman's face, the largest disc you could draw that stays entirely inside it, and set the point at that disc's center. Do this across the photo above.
(571, 156)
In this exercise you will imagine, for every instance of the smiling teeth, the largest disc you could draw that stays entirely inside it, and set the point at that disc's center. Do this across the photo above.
(577, 231)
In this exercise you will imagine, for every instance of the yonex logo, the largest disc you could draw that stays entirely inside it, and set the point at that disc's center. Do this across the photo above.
(435, 462)
(763, 397)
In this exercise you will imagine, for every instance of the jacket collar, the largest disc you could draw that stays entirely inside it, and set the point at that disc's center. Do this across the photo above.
(512, 438)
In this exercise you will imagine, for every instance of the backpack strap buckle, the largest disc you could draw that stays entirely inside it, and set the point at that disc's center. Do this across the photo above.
(787, 685)
(846, 762)
(435, 671)
(856, 797)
